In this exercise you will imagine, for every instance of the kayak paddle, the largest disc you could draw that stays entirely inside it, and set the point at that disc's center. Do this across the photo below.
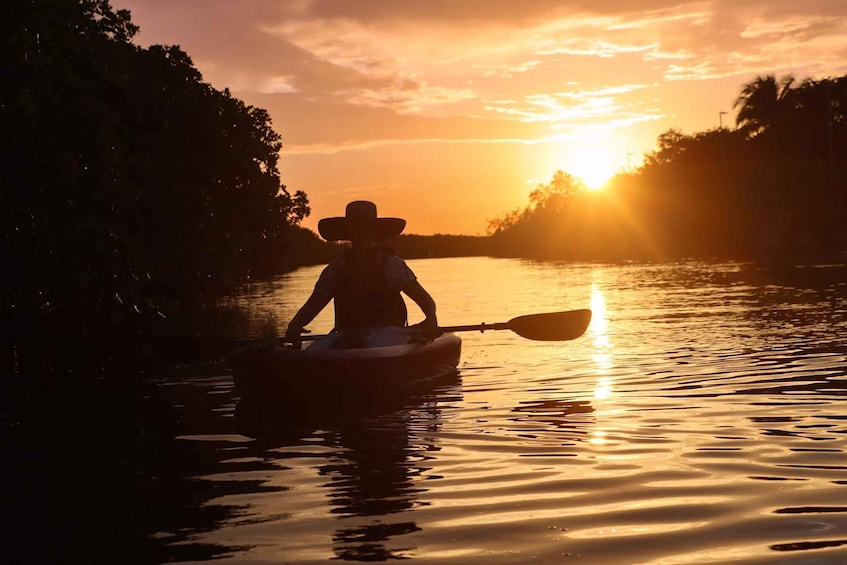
(550, 326)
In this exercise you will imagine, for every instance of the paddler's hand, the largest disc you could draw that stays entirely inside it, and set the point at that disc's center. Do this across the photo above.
(292, 336)
(429, 328)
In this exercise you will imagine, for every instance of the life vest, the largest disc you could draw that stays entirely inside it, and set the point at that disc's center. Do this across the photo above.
(363, 298)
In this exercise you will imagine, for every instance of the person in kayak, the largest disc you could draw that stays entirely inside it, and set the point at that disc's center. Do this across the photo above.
(366, 281)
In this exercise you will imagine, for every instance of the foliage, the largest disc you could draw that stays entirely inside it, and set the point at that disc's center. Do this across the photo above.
(545, 202)
(126, 181)
(775, 185)
(410, 246)
(762, 104)
(544, 221)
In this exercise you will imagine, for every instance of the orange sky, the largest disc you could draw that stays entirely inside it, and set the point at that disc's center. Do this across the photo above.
(449, 112)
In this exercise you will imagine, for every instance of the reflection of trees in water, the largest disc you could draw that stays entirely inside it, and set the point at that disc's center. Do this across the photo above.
(91, 463)
(803, 306)
(188, 504)
(193, 508)
(803, 303)
(769, 323)
(92, 468)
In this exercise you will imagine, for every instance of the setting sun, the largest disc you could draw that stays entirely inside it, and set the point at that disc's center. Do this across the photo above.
(594, 166)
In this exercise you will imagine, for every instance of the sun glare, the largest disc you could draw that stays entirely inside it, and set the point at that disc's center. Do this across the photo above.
(594, 166)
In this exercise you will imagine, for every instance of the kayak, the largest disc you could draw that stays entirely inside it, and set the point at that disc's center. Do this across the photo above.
(342, 369)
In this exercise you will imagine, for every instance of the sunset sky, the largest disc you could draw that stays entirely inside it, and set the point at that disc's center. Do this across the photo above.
(449, 112)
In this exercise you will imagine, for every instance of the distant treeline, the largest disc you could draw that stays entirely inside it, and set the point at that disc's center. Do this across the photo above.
(425, 246)
(774, 187)
(128, 185)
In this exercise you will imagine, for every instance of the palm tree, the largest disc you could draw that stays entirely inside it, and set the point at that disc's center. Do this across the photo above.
(763, 103)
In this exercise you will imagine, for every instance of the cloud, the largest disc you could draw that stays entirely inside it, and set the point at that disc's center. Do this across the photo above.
(425, 56)
(343, 78)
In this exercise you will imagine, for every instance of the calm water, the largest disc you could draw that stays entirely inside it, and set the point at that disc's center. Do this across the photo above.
(700, 419)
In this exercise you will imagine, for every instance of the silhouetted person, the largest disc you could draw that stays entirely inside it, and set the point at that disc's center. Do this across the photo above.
(366, 280)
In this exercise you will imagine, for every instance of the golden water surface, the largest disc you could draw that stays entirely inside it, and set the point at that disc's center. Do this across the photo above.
(701, 419)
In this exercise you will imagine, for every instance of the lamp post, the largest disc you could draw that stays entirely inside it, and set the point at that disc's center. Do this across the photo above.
(723, 143)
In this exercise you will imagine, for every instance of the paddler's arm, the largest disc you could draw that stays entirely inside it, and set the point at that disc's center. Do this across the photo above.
(313, 306)
(416, 292)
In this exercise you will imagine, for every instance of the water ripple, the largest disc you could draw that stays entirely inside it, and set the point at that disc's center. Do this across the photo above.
(700, 419)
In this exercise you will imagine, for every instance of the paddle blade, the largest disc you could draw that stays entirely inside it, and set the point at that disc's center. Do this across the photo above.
(553, 326)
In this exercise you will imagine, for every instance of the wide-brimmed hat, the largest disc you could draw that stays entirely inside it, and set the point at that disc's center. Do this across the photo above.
(360, 220)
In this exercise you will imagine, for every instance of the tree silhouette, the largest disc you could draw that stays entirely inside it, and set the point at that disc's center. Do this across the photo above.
(763, 104)
(773, 187)
(127, 183)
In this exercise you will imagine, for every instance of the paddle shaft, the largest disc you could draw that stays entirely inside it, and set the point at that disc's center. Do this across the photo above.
(476, 327)
(550, 326)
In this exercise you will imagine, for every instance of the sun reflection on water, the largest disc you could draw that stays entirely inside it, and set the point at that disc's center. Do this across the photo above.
(603, 390)
(598, 437)
(602, 355)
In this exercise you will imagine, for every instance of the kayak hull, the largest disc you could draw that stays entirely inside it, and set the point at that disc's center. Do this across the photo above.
(329, 374)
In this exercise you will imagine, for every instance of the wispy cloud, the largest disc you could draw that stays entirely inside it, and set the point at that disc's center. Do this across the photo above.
(341, 77)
